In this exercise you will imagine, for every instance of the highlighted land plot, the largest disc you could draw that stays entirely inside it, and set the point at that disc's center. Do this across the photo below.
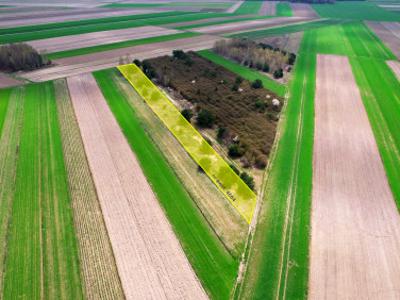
(237, 192)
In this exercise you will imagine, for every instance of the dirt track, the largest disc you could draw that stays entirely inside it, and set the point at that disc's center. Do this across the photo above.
(149, 258)
(7, 81)
(303, 10)
(248, 25)
(98, 38)
(234, 7)
(102, 60)
(268, 8)
(395, 66)
(355, 241)
(388, 38)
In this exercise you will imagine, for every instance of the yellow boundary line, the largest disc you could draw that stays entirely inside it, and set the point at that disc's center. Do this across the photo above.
(228, 182)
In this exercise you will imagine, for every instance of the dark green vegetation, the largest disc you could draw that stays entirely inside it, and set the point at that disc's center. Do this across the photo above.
(212, 263)
(356, 11)
(278, 262)
(20, 57)
(249, 7)
(40, 253)
(245, 72)
(247, 113)
(28, 33)
(131, 43)
(283, 9)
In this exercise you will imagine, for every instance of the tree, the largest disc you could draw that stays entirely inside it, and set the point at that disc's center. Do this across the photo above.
(187, 114)
(21, 57)
(278, 74)
(179, 54)
(137, 62)
(221, 133)
(235, 151)
(257, 84)
(205, 118)
(248, 180)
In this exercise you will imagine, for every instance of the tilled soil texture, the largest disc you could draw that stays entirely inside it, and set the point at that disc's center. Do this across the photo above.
(7, 81)
(268, 8)
(395, 66)
(303, 10)
(248, 25)
(393, 27)
(56, 17)
(355, 238)
(102, 60)
(247, 114)
(387, 36)
(149, 258)
(98, 38)
(288, 42)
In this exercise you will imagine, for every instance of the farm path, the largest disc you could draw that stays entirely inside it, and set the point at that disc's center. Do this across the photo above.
(355, 240)
(149, 258)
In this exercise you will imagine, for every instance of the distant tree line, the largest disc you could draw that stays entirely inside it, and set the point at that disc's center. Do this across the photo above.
(20, 57)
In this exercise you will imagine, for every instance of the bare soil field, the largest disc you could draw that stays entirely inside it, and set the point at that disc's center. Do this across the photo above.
(234, 7)
(393, 27)
(51, 17)
(98, 38)
(7, 81)
(98, 268)
(102, 60)
(288, 42)
(188, 23)
(149, 258)
(248, 25)
(268, 8)
(355, 240)
(388, 38)
(395, 66)
(303, 10)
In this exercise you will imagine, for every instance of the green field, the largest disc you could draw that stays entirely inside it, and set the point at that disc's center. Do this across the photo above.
(232, 20)
(249, 7)
(14, 35)
(245, 72)
(41, 255)
(212, 263)
(283, 9)
(131, 43)
(355, 10)
(4, 98)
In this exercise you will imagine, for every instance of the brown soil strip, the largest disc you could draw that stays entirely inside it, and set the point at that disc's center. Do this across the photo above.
(268, 8)
(303, 10)
(107, 59)
(149, 258)
(395, 66)
(248, 25)
(175, 25)
(388, 38)
(234, 7)
(98, 38)
(98, 266)
(355, 241)
(7, 81)
(393, 27)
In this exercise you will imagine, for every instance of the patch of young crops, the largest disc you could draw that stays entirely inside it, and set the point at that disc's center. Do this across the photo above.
(249, 7)
(283, 9)
(212, 263)
(4, 98)
(41, 255)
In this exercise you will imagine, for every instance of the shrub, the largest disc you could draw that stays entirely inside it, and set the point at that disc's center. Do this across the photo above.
(221, 133)
(266, 68)
(248, 180)
(148, 69)
(291, 59)
(20, 57)
(205, 118)
(261, 161)
(257, 84)
(236, 170)
(278, 74)
(137, 62)
(235, 151)
(238, 80)
(260, 105)
(187, 114)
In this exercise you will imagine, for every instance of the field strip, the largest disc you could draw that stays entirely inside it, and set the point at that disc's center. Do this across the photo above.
(393, 27)
(98, 38)
(395, 66)
(237, 192)
(355, 222)
(268, 8)
(97, 61)
(387, 37)
(303, 10)
(234, 7)
(204, 22)
(98, 268)
(149, 258)
(7, 81)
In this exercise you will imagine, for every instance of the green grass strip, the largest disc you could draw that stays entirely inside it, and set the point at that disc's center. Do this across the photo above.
(233, 20)
(4, 99)
(100, 48)
(42, 255)
(283, 9)
(244, 72)
(249, 7)
(212, 263)
(357, 10)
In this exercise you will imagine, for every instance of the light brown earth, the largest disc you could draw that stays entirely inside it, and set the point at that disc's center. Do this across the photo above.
(188, 23)
(107, 59)
(288, 42)
(67, 16)
(268, 8)
(395, 66)
(149, 258)
(248, 25)
(234, 7)
(355, 240)
(303, 10)
(98, 38)
(98, 268)
(388, 38)
(7, 81)
(393, 27)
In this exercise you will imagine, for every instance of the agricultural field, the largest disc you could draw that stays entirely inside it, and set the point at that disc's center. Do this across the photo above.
(213, 149)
